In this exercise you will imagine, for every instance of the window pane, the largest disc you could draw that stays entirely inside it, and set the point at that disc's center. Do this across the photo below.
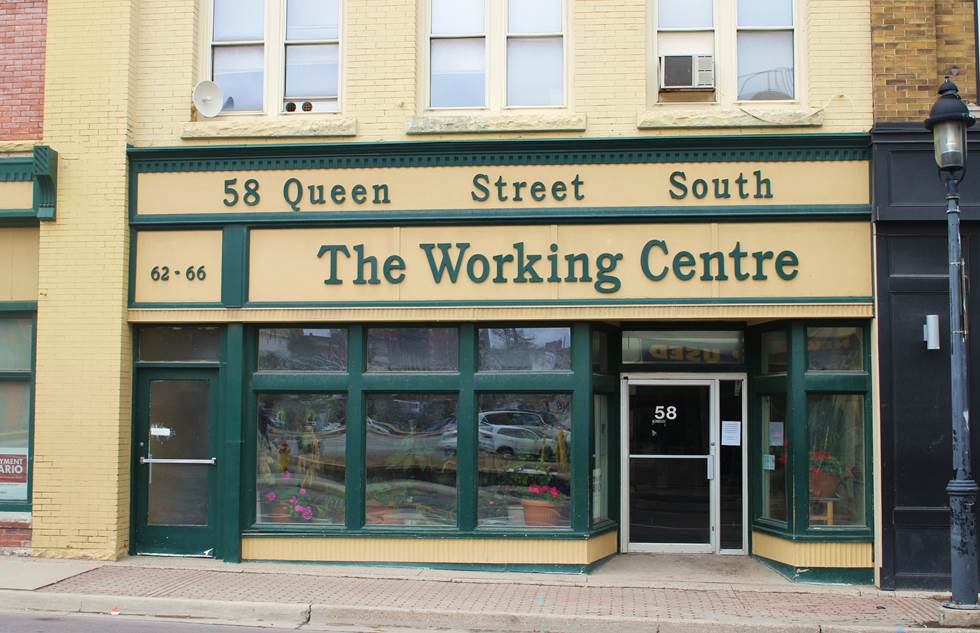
(686, 43)
(238, 20)
(311, 70)
(535, 74)
(775, 353)
(16, 340)
(600, 353)
(457, 17)
(835, 425)
(774, 451)
(179, 344)
(600, 457)
(238, 70)
(834, 349)
(411, 459)
(298, 349)
(765, 12)
(534, 16)
(765, 65)
(685, 14)
(15, 407)
(300, 458)
(312, 19)
(458, 73)
(525, 468)
(413, 349)
(680, 347)
(526, 348)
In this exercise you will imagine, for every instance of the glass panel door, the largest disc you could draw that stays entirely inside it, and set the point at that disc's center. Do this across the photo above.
(175, 462)
(671, 463)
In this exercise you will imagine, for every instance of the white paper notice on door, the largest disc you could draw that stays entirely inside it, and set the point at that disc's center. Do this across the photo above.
(731, 432)
(769, 462)
(775, 434)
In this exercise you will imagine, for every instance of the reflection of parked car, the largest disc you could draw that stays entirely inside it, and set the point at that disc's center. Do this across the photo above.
(447, 443)
(526, 419)
(514, 440)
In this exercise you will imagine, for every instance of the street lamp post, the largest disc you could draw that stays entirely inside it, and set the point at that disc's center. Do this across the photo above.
(948, 121)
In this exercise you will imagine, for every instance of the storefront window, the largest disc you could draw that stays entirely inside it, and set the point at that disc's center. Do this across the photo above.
(15, 401)
(834, 349)
(525, 348)
(774, 455)
(775, 352)
(413, 349)
(15, 344)
(411, 459)
(835, 431)
(600, 458)
(683, 347)
(300, 458)
(302, 349)
(600, 353)
(178, 344)
(525, 460)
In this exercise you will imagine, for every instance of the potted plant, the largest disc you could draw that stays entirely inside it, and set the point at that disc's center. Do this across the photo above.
(542, 505)
(825, 474)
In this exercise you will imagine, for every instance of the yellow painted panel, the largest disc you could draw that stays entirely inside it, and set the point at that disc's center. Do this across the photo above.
(690, 312)
(812, 554)
(18, 264)
(603, 545)
(475, 187)
(528, 551)
(17, 195)
(821, 259)
(180, 253)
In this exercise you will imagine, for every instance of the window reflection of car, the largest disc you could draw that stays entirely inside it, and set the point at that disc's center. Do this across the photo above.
(514, 440)
(447, 442)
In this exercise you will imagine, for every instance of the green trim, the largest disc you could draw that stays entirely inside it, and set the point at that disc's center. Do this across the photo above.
(591, 215)
(467, 428)
(572, 151)
(495, 567)
(823, 575)
(231, 432)
(269, 530)
(41, 168)
(18, 169)
(816, 535)
(234, 266)
(6, 312)
(18, 306)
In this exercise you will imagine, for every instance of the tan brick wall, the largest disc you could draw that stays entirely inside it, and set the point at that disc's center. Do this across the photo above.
(22, 35)
(914, 44)
(82, 414)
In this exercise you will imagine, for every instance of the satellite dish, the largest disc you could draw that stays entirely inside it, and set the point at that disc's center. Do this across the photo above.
(208, 98)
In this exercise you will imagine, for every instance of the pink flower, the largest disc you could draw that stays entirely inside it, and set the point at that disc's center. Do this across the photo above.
(286, 474)
(308, 514)
(554, 492)
(270, 496)
(534, 489)
(298, 508)
(293, 500)
(302, 491)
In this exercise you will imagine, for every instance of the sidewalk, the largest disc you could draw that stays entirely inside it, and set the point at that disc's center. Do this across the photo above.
(629, 594)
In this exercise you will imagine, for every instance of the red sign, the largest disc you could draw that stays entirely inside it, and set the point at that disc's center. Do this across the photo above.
(13, 469)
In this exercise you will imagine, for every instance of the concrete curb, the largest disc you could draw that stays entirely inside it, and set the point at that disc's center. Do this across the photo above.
(214, 612)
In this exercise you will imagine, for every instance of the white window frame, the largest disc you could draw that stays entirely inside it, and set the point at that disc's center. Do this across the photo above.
(274, 57)
(726, 57)
(496, 36)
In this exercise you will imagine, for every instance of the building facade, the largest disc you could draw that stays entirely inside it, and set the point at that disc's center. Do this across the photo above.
(915, 44)
(506, 284)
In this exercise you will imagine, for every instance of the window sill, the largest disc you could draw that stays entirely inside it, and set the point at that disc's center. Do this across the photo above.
(479, 123)
(263, 127)
(715, 116)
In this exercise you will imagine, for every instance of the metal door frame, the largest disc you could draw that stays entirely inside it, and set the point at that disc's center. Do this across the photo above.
(693, 379)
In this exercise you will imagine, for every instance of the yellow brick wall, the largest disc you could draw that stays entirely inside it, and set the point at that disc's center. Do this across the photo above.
(82, 417)
(608, 44)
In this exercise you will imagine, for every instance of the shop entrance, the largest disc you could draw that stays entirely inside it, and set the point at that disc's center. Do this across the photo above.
(683, 463)
(176, 474)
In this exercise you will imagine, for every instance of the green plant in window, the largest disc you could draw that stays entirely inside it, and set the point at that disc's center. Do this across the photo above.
(825, 462)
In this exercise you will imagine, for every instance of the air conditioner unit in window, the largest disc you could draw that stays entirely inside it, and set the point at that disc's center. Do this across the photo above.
(687, 71)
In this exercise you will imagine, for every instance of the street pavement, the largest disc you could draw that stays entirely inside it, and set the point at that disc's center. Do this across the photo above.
(631, 594)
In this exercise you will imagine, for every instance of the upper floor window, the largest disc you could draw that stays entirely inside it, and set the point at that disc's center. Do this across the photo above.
(297, 40)
(496, 54)
(726, 51)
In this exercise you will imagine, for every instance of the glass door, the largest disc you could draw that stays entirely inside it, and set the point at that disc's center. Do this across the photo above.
(176, 474)
(671, 461)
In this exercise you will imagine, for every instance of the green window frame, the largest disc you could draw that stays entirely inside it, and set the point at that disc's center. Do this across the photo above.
(467, 383)
(798, 384)
(20, 311)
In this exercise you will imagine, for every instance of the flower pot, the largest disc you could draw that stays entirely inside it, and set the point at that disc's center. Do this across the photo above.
(540, 512)
(275, 512)
(823, 484)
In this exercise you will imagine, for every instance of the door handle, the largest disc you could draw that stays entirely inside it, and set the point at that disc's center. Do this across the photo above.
(150, 460)
(711, 467)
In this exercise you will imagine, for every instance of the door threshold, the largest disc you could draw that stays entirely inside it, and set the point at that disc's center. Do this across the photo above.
(207, 554)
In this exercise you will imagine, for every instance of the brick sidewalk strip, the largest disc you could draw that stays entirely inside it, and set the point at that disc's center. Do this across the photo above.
(484, 600)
